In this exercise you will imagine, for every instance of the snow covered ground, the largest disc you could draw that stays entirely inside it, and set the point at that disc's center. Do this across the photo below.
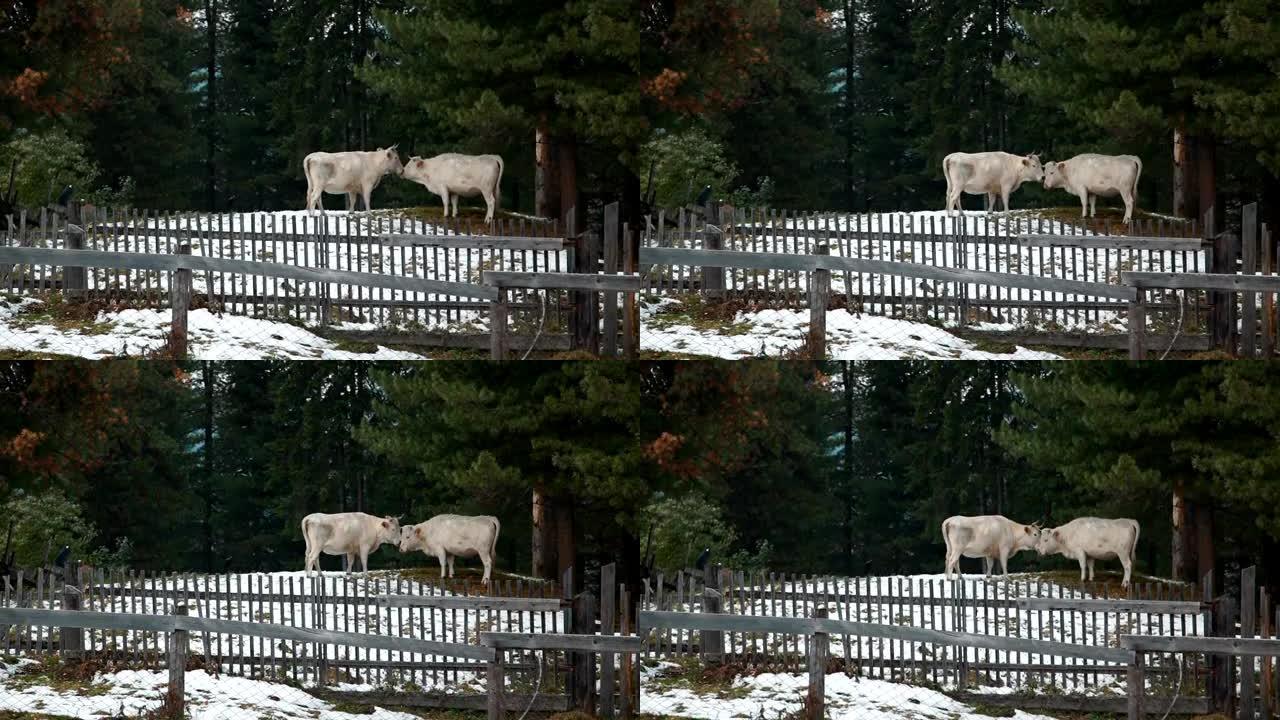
(771, 333)
(774, 695)
(135, 692)
(26, 327)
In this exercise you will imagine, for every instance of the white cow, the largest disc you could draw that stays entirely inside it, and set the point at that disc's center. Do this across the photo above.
(1089, 538)
(348, 173)
(452, 175)
(446, 536)
(1090, 175)
(989, 537)
(994, 174)
(351, 534)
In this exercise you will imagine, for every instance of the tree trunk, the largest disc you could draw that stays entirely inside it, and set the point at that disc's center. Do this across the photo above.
(1181, 534)
(566, 542)
(546, 178)
(544, 537)
(1207, 170)
(211, 106)
(567, 150)
(207, 494)
(630, 210)
(1205, 551)
(1182, 205)
(850, 127)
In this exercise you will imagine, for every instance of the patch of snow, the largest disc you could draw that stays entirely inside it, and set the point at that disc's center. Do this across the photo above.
(782, 695)
(209, 697)
(210, 336)
(850, 336)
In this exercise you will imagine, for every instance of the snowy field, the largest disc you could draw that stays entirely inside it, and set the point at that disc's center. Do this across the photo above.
(136, 692)
(26, 327)
(771, 333)
(928, 237)
(778, 695)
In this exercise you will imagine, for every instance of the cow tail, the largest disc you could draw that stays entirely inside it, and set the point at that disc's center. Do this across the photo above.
(1136, 176)
(946, 534)
(497, 190)
(1133, 546)
(493, 548)
(946, 173)
(306, 533)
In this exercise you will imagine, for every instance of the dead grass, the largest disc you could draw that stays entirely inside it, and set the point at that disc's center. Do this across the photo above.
(1107, 219)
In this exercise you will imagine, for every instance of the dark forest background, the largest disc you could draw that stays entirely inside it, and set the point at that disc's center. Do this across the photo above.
(836, 468)
(811, 104)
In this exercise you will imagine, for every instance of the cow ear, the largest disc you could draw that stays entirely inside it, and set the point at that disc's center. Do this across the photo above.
(386, 523)
(418, 162)
(417, 531)
(1057, 535)
(1026, 161)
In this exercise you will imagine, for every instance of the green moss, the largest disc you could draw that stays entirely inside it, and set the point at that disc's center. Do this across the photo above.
(356, 346)
(994, 711)
(354, 708)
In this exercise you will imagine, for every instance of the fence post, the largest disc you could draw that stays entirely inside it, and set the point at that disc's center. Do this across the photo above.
(498, 326)
(712, 239)
(612, 245)
(608, 614)
(1248, 626)
(74, 277)
(496, 681)
(630, 306)
(1222, 667)
(70, 639)
(180, 301)
(814, 706)
(177, 661)
(584, 663)
(1136, 685)
(819, 294)
(1138, 326)
(630, 662)
(1249, 266)
(712, 640)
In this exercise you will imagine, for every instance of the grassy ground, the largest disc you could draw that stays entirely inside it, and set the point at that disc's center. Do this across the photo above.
(1107, 218)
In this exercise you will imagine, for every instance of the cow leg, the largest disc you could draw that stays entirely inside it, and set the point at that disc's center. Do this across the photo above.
(349, 562)
(1004, 197)
(1084, 204)
(367, 193)
(1128, 207)
(1093, 206)
(1004, 562)
(991, 202)
(455, 205)
(488, 208)
(445, 198)
(1128, 568)
(364, 561)
(1084, 566)
(451, 559)
(488, 563)
(1091, 560)
(443, 563)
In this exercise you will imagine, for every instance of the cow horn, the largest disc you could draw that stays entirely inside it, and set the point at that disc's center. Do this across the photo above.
(393, 147)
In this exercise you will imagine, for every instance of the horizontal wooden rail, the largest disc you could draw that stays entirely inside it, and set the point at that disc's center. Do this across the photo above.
(149, 261)
(1155, 705)
(1113, 242)
(561, 641)
(781, 261)
(563, 281)
(1161, 607)
(458, 602)
(1202, 281)
(805, 626)
(169, 623)
(1181, 644)
(495, 242)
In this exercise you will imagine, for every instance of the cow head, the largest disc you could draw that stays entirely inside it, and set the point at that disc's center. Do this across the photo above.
(1053, 174)
(417, 170)
(391, 164)
(1028, 537)
(388, 530)
(1050, 542)
(412, 538)
(1030, 170)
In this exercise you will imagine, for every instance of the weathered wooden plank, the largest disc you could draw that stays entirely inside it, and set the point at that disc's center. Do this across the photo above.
(780, 261)
(1202, 281)
(1112, 342)
(1112, 242)
(559, 641)
(1185, 644)
(472, 341)
(716, 621)
(562, 281)
(143, 261)
(1249, 266)
(1081, 703)
(167, 623)
(541, 703)
(472, 602)
(472, 242)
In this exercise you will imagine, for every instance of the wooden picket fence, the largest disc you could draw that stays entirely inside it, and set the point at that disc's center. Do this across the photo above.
(1018, 608)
